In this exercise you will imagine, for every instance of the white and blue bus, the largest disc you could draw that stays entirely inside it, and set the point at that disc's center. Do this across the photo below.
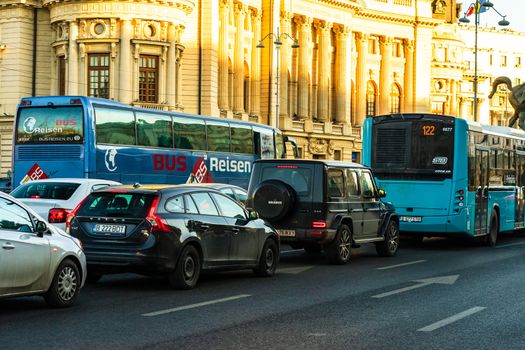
(76, 136)
(447, 176)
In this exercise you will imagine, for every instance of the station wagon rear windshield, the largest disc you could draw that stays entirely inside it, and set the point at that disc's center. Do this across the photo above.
(298, 177)
(46, 190)
(50, 125)
(116, 204)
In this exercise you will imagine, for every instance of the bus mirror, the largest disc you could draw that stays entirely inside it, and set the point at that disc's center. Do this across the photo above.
(381, 193)
(294, 145)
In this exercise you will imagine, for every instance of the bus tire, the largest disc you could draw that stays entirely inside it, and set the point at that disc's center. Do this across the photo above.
(492, 236)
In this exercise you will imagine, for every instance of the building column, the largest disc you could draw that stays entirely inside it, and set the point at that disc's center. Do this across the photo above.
(323, 77)
(362, 52)
(286, 28)
(238, 66)
(255, 83)
(125, 82)
(223, 55)
(343, 61)
(409, 76)
(304, 26)
(171, 78)
(453, 98)
(463, 108)
(179, 51)
(72, 87)
(384, 80)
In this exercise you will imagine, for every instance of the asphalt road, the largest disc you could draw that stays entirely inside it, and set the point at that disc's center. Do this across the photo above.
(441, 294)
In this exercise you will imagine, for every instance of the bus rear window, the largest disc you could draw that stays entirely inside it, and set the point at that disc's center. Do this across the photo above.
(50, 125)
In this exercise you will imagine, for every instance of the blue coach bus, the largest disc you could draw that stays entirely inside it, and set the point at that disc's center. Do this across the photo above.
(447, 176)
(75, 136)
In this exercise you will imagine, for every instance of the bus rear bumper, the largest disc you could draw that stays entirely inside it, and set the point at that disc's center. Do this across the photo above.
(437, 226)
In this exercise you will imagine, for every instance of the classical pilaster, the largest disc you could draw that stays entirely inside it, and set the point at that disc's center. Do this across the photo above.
(179, 50)
(463, 108)
(323, 79)
(384, 80)
(238, 92)
(453, 98)
(286, 28)
(304, 26)
(362, 52)
(73, 59)
(409, 76)
(224, 12)
(125, 82)
(343, 61)
(171, 78)
(255, 83)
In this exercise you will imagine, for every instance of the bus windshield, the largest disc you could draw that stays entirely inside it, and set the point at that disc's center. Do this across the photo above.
(413, 148)
(50, 125)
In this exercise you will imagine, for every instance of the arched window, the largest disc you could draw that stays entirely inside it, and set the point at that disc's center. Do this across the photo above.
(370, 99)
(395, 99)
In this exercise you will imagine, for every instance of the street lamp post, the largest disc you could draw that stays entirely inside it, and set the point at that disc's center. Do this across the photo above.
(278, 37)
(503, 22)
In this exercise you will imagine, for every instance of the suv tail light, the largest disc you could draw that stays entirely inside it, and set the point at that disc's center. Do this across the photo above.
(72, 214)
(157, 223)
(57, 215)
(319, 224)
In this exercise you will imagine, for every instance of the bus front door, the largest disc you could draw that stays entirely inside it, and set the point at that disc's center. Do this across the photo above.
(482, 191)
(520, 190)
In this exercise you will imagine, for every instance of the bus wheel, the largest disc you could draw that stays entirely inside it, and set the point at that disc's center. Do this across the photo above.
(493, 231)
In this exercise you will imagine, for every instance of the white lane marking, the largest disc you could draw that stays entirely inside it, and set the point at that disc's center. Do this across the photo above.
(192, 306)
(451, 319)
(509, 245)
(401, 265)
(294, 270)
(422, 283)
(291, 251)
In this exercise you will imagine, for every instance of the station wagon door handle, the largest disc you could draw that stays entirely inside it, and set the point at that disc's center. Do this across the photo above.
(8, 246)
(202, 226)
(235, 230)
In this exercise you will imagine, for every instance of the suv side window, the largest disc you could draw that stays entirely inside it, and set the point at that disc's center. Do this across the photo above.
(336, 183)
(367, 184)
(13, 217)
(352, 183)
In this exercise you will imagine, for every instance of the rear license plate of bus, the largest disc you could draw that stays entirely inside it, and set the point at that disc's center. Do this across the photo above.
(109, 229)
(410, 218)
(286, 233)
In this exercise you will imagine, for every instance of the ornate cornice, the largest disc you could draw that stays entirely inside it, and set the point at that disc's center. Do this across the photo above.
(185, 6)
(25, 3)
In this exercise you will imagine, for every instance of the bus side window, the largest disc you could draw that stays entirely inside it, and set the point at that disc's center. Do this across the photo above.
(189, 134)
(115, 126)
(241, 139)
(218, 137)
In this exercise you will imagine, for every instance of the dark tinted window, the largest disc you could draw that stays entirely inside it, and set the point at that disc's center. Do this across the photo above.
(218, 137)
(189, 133)
(46, 190)
(14, 217)
(154, 130)
(367, 184)
(299, 178)
(114, 204)
(352, 183)
(204, 203)
(336, 183)
(241, 139)
(229, 207)
(115, 126)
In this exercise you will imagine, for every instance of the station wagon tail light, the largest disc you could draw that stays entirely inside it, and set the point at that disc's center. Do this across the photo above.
(57, 215)
(72, 214)
(319, 224)
(157, 223)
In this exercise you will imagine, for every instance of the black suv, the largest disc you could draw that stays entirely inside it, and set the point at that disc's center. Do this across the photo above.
(323, 205)
(172, 230)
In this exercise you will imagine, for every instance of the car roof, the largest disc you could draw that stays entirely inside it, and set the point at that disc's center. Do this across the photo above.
(216, 185)
(152, 188)
(74, 180)
(334, 163)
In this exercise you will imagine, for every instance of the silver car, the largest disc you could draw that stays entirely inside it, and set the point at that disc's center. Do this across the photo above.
(53, 199)
(37, 258)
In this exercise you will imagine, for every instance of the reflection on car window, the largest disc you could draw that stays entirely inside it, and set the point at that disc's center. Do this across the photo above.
(204, 203)
(335, 183)
(298, 178)
(352, 183)
(229, 207)
(175, 205)
(191, 208)
(242, 196)
(47, 190)
(14, 217)
(367, 184)
(228, 191)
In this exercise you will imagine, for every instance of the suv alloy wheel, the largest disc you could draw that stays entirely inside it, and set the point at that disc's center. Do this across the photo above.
(339, 250)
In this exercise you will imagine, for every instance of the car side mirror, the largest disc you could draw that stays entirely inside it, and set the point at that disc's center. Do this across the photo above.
(381, 193)
(252, 214)
(41, 228)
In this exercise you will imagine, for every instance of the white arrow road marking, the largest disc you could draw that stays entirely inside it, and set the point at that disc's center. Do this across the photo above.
(422, 283)
(451, 319)
(192, 306)
(509, 245)
(294, 270)
(401, 265)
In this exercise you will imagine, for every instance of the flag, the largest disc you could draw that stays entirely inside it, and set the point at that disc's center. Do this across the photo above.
(35, 173)
(480, 8)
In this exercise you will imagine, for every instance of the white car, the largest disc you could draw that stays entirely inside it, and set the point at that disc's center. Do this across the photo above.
(55, 198)
(37, 258)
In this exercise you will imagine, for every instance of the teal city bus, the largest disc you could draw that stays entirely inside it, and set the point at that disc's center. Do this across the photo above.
(447, 176)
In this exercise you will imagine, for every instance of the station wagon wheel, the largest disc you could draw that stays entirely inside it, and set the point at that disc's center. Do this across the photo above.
(268, 260)
(188, 269)
(65, 285)
(339, 250)
(389, 245)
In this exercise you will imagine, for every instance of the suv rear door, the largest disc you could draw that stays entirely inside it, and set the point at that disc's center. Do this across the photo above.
(355, 202)
(371, 205)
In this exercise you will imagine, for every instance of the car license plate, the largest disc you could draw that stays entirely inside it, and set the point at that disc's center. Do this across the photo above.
(410, 218)
(105, 228)
(286, 233)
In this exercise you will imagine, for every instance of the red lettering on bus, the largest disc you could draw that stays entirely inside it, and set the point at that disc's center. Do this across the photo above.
(158, 163)
(70, 122)
(169, 162)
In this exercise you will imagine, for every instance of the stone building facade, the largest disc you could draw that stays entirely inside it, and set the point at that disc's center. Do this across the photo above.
(355, 58)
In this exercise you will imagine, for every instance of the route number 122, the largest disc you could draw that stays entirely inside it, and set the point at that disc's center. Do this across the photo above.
(429, 130)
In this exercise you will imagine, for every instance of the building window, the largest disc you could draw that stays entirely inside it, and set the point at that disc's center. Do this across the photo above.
(395, 99)
(371, 99)
(438, 107)
(518, 62)
(337, 154)
(98, 75)
(373, 43)
(503, 61)
(148, 78)
(62, 75)
(490, 59)
(517, 81)
(397, 48)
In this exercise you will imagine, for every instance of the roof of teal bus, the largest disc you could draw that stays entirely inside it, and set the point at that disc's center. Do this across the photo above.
(103, 101)
(496, 130)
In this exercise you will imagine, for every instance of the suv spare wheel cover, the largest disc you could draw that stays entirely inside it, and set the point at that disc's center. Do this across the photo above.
(273, 199)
